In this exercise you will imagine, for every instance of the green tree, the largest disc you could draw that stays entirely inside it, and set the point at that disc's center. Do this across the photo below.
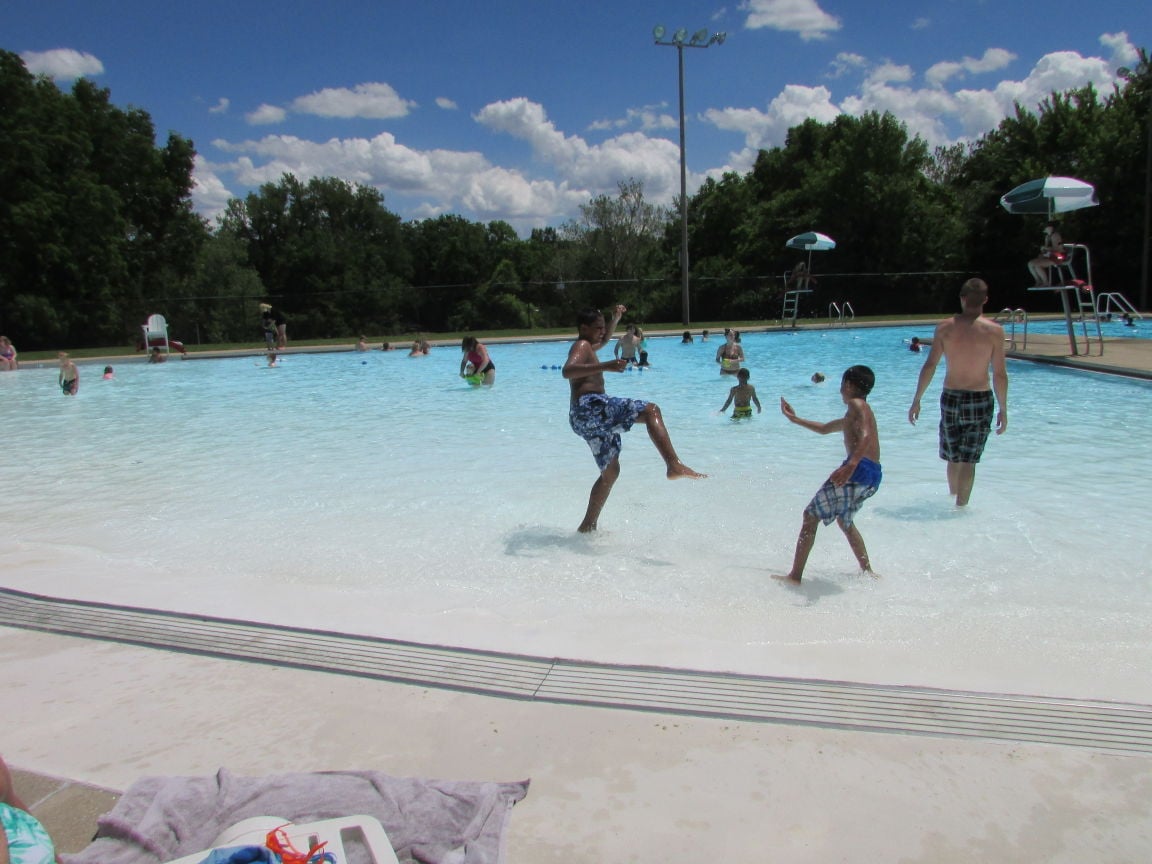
(95, 219)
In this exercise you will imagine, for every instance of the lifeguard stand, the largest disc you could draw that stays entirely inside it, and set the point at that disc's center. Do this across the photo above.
(1076, 291)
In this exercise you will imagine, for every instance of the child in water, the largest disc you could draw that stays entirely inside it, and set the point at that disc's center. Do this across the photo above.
(850, 485)
(743, 394)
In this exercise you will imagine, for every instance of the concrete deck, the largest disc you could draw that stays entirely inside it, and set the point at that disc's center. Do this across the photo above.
(639, 765)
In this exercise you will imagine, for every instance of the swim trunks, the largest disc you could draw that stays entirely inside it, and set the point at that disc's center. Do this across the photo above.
(834, 502)
(742, 411)
(599, 419)
(965, 420)
(28, 842)
(69, 387)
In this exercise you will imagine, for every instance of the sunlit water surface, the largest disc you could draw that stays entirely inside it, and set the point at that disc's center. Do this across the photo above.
(378, 494)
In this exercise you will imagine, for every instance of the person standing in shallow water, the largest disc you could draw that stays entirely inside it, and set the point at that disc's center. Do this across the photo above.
(599, 419)
(970, 344)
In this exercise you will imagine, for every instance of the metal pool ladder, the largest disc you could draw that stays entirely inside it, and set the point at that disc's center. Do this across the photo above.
(1012, 317)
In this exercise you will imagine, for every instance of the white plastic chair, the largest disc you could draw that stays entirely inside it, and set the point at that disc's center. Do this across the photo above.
(156, 328)
(304, 836)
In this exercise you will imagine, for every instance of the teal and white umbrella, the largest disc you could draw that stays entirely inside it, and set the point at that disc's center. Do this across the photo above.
(1049, 196)
(812, 241)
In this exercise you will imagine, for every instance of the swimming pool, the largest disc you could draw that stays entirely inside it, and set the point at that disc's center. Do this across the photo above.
(378, 494)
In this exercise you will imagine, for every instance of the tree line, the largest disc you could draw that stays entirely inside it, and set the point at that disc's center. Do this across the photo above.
(97, 229)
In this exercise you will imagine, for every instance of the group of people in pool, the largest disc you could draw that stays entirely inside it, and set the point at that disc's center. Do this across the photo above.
(975, 382)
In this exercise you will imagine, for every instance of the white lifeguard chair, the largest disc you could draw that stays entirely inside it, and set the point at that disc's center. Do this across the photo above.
(156, 328)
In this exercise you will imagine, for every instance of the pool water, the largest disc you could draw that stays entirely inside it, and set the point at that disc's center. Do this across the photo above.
(380, 494)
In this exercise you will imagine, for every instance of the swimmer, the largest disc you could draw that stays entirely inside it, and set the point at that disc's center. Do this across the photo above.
(850, 485)
(730, 355)
(744, 395)
(108, 373)
(817, 377)
(914, 345)
(476, 356)
(362, 343)
(69, 379)
(7, 355)
(599, 419)
(157, 356)
(686, 339)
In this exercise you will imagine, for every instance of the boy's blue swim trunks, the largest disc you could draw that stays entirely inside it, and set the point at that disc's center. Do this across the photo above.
(599, 419)
(834, 502)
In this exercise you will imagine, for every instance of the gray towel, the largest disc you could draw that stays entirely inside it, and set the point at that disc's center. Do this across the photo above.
(430, 821)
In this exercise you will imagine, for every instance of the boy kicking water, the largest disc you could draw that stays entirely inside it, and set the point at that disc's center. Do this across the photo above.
(850, 485)
(599, 419)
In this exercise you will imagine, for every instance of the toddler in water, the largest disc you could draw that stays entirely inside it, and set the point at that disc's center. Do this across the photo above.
(743, 394)
(108, 374)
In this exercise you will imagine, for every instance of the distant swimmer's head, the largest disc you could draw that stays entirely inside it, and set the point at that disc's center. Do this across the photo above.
(860, 378)
(817, 377)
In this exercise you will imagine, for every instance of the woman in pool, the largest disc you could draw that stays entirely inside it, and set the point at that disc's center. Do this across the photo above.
(7, 355)
(477, 355)
(730, 355)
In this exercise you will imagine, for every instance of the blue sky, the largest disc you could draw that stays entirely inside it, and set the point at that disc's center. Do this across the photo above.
(524, 110)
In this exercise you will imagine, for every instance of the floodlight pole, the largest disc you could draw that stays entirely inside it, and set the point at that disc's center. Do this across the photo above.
(700, 39)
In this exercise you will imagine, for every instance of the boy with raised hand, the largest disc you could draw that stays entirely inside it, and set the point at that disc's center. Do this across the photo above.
(850, 485)
(599, 419)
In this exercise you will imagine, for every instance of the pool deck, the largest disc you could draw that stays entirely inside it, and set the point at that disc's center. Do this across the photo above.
(626, 764)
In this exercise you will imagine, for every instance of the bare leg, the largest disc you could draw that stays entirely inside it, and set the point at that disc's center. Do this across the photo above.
(857, 544)
(803, 549)
(961, 477)
(658, 432)
(599, 496)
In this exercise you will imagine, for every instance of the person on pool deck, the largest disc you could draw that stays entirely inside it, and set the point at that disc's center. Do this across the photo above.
(23, 839)
(69, 379)
(599, 419)
(743, 394)
(476, 354)
(850, 485)
(970, 344)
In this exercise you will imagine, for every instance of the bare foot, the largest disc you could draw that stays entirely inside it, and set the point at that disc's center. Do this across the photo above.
(587, 529)
(679, 470)
(867, 571)
(790, 579)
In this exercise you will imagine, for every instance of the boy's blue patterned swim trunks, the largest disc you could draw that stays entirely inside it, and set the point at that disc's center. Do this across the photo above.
(965, 421)
(844, 502)
(599, 419)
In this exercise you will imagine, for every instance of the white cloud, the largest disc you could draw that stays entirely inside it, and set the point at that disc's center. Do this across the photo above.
(62, 63)
(844, 63)
(220, 107)
(266, 115)
(565, 169)
(446, 103)
(374, 100)
(795, 16)
(765, 129)
(921, 23)
(888, 72)
(993, 60)
(655, 161)
(209, 194)
(1124, 53)
(646, 117)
